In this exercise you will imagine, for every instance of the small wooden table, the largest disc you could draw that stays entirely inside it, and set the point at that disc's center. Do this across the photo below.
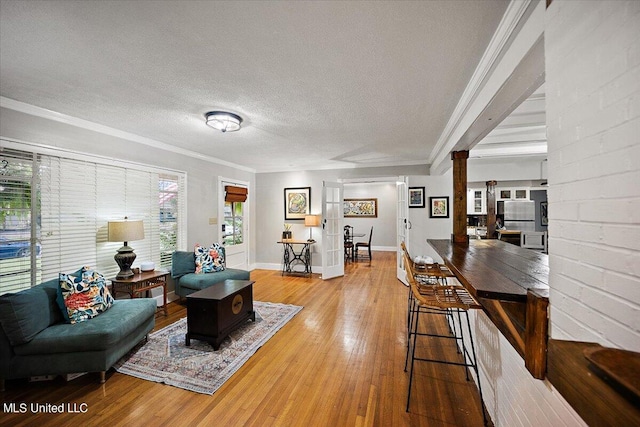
(142, 282)
(214, 312)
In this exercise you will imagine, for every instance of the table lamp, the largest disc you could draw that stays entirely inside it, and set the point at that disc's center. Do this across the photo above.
(125, 231)
(311, 221)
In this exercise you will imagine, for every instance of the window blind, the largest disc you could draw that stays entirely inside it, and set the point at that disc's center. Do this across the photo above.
(235, 194)
(78, 201)
(77, 198)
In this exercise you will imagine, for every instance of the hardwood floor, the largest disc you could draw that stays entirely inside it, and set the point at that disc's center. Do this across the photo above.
(339, 362)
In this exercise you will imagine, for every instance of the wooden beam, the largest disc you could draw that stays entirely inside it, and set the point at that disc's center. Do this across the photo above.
(460, 196)
(535, 335)
(491, 209)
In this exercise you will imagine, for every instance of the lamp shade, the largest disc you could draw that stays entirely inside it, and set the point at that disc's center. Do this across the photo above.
(312, 220)
(125, 231)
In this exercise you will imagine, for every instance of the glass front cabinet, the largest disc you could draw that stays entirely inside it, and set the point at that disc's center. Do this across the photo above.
(512, 193)
(476, 201)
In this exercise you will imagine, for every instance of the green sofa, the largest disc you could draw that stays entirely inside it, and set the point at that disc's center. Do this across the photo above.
(36, 341)
(183, 267)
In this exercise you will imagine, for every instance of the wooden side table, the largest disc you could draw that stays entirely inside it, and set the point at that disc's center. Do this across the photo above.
(142, 282)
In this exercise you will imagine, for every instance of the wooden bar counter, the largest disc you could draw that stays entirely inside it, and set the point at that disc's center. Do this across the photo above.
(512, 284)
(494, 269)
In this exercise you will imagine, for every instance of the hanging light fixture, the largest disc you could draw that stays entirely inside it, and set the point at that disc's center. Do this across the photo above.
(223, 121)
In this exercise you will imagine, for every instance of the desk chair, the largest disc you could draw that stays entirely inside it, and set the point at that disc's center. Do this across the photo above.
(348, 243)
(364, 245)
(441, 299)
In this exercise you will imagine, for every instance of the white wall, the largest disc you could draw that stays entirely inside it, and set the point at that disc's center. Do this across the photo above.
(270, 201)
(593, 111)
(507, 169)
(423, 227)
(384, 226)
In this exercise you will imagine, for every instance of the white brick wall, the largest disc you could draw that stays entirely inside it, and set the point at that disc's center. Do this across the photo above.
(512, 396)
(592, 53)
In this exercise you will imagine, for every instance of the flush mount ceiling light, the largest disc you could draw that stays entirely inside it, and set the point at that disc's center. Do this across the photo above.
(223, 121)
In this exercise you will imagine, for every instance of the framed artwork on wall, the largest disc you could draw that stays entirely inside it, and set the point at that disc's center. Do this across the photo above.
(439, 207)
(360, 208)
(297, 203)
(416, 197)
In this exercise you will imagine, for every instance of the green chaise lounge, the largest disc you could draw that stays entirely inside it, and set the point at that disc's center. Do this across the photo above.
(35, 340)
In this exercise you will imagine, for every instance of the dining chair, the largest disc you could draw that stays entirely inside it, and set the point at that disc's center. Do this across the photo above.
(363, 245)
(348, 242)
(441, 299)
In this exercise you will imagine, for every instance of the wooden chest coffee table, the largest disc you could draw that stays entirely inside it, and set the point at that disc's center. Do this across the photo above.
(214, 312)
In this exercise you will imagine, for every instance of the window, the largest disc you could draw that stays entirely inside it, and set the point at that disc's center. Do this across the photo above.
(168, 202)
(75, 199)
(233, 214)
(19, 251)
(234, 199)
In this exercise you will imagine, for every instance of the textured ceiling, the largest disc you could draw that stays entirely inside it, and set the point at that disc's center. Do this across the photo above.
(319, 84)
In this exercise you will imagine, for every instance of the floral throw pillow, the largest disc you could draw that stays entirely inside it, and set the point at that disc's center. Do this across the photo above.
(209, 260)
(83, 295)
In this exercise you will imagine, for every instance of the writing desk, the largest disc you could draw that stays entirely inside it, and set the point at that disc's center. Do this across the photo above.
(291, 258)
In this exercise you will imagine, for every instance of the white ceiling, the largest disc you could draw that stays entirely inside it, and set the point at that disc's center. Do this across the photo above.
(319, 84)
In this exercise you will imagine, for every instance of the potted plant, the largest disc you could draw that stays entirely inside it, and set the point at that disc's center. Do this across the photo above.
(286, 234)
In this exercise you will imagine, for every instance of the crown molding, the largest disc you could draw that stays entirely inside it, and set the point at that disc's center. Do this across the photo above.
(32, 110)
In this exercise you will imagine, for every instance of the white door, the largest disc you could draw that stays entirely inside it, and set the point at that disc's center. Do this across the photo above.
(403, 226)
(233, 226)
(332, 230)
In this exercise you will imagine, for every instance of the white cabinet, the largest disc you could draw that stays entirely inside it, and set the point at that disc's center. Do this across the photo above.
(476, 201)
(512, 193)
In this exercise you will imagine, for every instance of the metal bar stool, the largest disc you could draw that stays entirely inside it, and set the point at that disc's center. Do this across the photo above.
(442, 299)
(425, 275)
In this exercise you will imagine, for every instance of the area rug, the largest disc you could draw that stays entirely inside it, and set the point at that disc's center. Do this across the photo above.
(165, 358)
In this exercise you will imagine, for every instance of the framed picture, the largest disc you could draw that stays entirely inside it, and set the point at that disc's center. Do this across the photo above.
(416, 197)
(360, 208)
(544, 219)
(439, 207)
(297, 203)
